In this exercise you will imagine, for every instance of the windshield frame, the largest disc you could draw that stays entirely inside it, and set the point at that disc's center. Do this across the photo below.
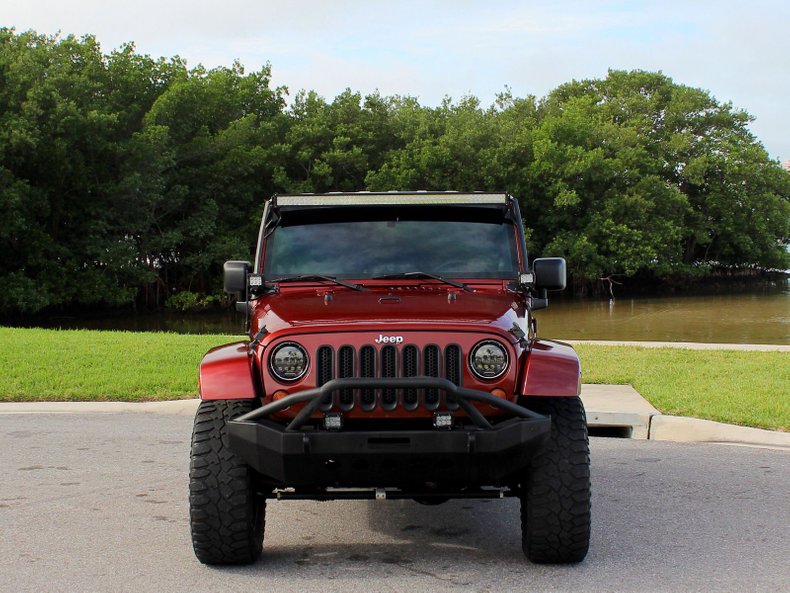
(288, 217)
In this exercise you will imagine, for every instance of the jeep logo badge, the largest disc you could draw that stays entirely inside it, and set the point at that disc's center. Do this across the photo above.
(388, 339)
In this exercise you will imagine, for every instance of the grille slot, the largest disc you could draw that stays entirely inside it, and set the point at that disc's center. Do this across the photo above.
(431, 369)
(345, 369)
(325, 368)
(452, 372)
(367, 368)
(389, 368)
(411, 368)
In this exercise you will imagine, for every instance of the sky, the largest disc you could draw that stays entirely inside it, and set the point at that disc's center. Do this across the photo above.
(739, 51)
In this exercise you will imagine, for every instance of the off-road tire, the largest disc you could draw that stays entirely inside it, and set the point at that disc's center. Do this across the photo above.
(226, 513)
(555, 489)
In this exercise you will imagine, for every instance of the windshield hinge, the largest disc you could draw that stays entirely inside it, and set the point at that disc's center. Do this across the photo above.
(256, 340)
(520, 335)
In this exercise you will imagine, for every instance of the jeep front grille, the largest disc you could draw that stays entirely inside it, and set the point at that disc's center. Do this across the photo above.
(389, 362)
(345, 369)
(411, 368)
(431, 370)
(452, 371)
(325, 368)
(367, 368)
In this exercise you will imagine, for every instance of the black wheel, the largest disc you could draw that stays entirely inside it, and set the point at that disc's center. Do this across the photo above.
(555, 490)
(226, 512)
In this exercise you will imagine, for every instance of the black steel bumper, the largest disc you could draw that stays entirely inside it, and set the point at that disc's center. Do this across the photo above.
(305, 456)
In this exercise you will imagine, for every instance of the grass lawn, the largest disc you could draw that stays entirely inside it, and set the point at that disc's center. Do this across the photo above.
(63, 365)
(749, 388)
(733, 386)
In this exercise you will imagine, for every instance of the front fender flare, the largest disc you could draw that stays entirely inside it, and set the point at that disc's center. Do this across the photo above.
(228, 372)
(551, 369)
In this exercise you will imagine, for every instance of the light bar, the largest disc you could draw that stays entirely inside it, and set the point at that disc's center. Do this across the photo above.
(390, 199)
(443, 420)
(333, 421)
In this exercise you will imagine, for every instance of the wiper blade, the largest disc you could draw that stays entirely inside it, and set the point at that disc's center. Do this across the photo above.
(307, 277)
(466, 287)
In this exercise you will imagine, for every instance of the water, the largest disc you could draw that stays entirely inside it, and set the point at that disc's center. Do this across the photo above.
(758, 317)
(752, 318)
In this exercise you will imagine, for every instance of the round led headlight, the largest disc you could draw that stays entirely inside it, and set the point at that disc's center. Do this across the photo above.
(288, 362)
(488, 359)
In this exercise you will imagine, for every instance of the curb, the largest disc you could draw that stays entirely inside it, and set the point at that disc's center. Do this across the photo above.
(694, 430)
(622, 408)
(617, 407)
(646, 423)
(687, 345)
(180, 407)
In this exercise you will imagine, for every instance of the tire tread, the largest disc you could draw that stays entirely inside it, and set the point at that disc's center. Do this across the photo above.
(555, 494)
(227, 516)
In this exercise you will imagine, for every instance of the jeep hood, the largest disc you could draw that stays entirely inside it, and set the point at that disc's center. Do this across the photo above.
(293, 308)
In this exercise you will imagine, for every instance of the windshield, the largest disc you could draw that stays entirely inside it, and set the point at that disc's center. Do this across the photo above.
(366, 248)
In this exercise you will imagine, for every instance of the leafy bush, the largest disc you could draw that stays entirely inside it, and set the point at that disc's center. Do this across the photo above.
(192, 301)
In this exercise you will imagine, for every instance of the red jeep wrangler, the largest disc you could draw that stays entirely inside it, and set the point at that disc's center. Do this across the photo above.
(392, 354)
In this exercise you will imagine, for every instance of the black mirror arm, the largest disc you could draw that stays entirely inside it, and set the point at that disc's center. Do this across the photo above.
(541, 301)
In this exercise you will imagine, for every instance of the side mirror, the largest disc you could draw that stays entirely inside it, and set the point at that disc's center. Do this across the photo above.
(550, 273)
(236, 278)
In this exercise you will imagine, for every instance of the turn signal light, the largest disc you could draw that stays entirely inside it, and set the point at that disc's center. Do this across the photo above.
(499, 393)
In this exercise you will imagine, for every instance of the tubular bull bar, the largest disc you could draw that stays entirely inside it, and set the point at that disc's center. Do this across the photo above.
(481, 454)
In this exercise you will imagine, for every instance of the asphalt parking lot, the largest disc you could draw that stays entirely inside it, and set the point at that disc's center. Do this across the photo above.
(98, 502)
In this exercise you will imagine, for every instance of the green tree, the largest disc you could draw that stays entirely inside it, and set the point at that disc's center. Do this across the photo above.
(212, 135)
(449, 147)
(58, 152)
(125, 178)
(638, 174)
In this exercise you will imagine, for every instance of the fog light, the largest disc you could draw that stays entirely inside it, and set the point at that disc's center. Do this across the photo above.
(333, 421)
(443, 420)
